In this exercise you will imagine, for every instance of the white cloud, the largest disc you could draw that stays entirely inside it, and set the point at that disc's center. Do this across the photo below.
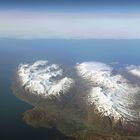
(32, 25)
(134, 70)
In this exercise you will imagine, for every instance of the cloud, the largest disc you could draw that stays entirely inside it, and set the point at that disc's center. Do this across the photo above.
(92, 84)
(42, 25)
(134, 70)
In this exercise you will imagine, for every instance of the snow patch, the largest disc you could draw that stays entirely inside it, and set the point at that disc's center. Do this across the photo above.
(42, 78)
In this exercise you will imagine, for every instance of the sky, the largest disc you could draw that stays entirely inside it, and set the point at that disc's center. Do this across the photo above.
(107, 2)
(74, 19)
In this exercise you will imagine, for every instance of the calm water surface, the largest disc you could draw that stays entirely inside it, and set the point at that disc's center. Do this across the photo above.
(68, 52)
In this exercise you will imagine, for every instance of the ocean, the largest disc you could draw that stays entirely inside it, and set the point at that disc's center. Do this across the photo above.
(13, 52)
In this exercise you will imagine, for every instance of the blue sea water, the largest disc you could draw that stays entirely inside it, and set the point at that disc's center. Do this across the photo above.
(67, 52)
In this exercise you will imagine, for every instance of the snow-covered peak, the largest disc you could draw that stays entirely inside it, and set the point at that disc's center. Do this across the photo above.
(42, 78)
(113, 95)
(95, 84)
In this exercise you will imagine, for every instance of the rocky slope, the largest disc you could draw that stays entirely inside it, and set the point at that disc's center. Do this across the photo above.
(90, 97)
